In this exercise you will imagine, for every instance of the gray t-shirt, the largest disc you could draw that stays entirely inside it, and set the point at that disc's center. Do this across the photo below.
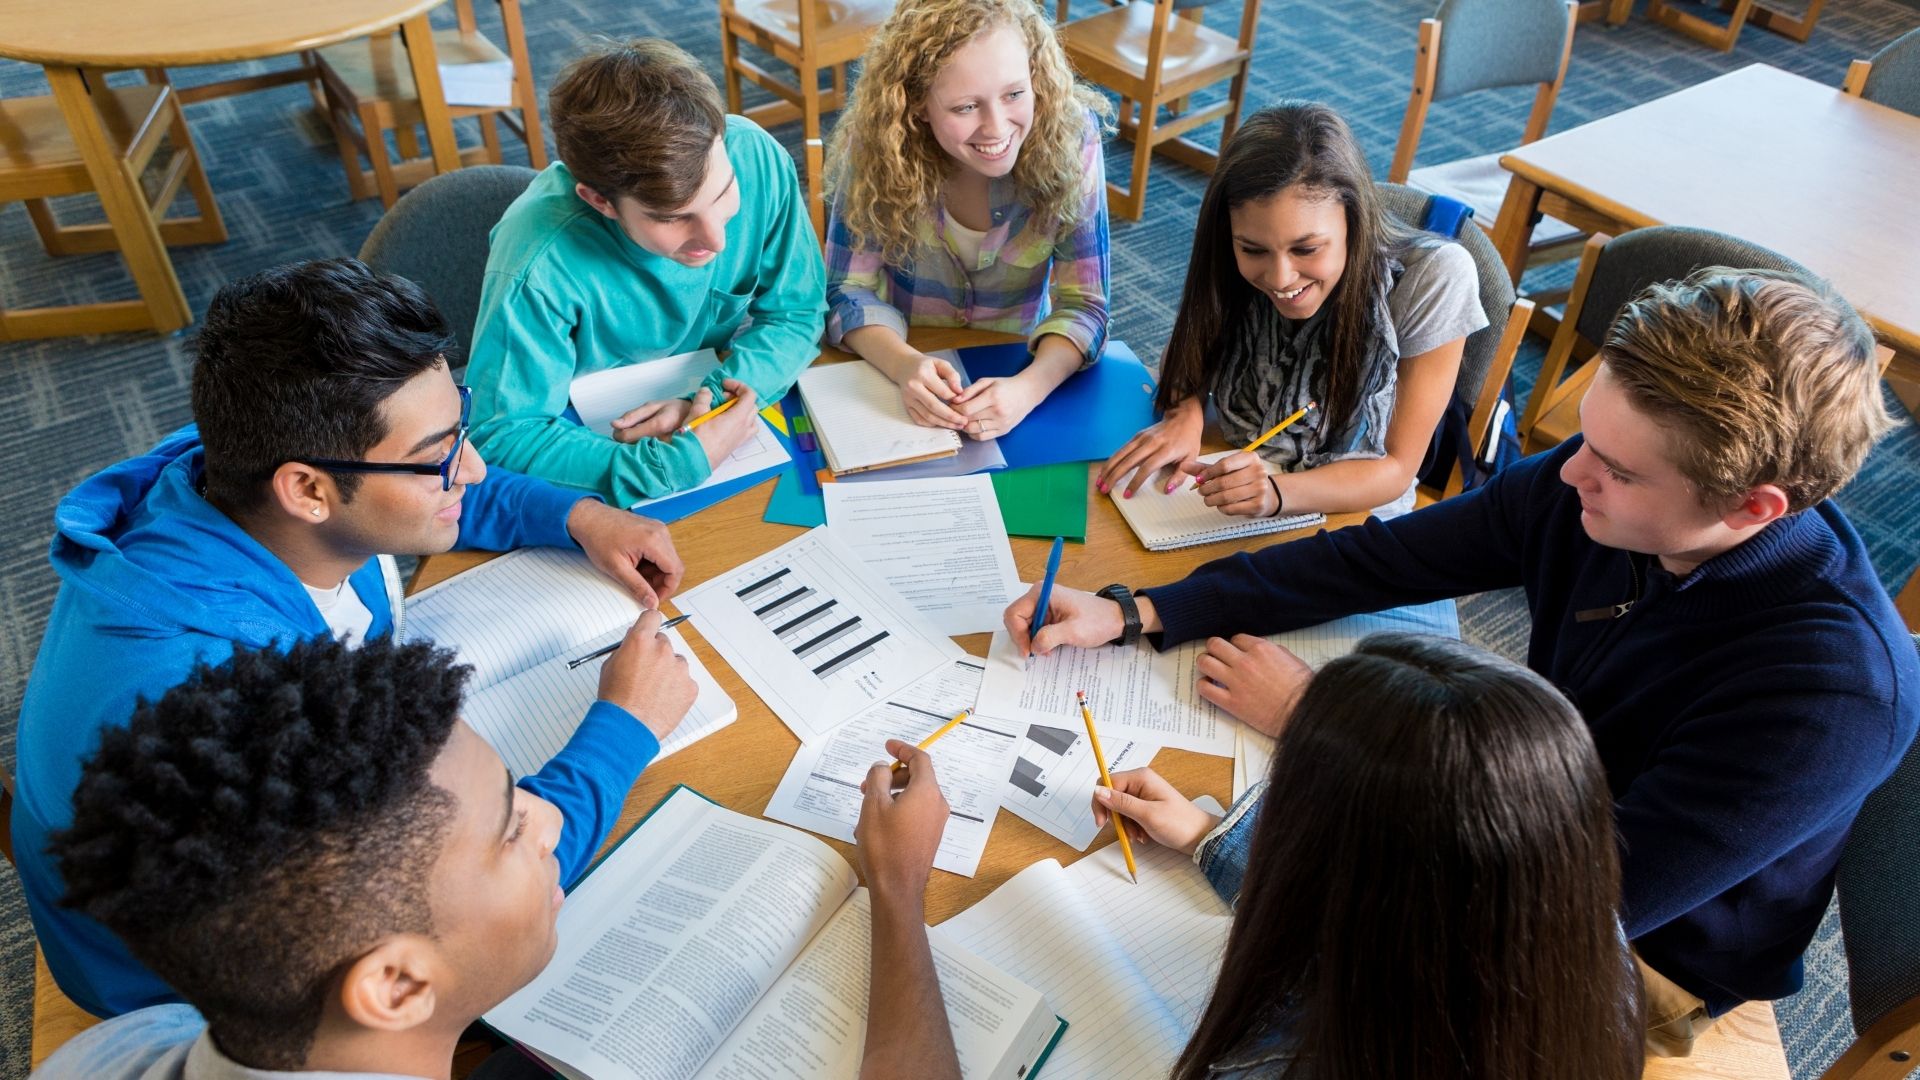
(162, 1042)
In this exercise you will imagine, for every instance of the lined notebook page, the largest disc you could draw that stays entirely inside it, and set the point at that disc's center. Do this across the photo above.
(508, 614)
(1183, 519)
(860, 421)
(604, 396)
(529, 717)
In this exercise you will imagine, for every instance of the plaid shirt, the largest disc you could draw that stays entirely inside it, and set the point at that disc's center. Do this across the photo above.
(1032, 279)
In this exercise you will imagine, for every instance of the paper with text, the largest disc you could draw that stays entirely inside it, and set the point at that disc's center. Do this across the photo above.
(816, 633)
(862, 424)
(1053, 778)
(940, 542)
(1134, 693)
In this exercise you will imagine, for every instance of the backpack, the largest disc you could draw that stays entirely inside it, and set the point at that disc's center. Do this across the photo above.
(1450, 444)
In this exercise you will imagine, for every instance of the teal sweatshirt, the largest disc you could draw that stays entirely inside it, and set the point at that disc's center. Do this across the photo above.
(567, 294)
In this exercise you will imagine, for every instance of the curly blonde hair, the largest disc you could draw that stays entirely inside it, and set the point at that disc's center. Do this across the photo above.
(884, 166)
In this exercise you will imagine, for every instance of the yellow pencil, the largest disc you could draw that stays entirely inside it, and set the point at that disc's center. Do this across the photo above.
(709, 414)
(929, 740)
(1271, 432)
(1100, 759)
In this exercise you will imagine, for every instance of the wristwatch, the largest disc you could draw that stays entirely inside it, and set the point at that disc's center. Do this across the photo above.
(1129, 612)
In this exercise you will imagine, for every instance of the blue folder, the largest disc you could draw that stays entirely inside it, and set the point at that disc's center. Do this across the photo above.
(1087, 418)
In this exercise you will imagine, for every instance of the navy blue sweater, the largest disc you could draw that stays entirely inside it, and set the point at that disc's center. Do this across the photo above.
(1743, 711)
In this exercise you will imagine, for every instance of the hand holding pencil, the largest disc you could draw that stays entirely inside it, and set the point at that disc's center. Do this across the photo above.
(1238, 484)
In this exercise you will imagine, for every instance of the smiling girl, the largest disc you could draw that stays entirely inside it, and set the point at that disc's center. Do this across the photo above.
(968, 189)
(1302, 289)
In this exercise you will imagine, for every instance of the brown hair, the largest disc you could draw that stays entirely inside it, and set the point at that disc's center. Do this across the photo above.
(637, 118)
(1432, 883)
(1293, 143)
(883, 163)
(1765, 377)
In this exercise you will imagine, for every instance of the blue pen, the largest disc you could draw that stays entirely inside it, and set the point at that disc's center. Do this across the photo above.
(1046, 585)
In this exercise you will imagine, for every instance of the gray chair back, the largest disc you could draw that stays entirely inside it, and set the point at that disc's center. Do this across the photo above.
(436, 236)
(1879, 887)
(1634, 260)
(1895, 78)
(1487, 43)
(1496, 288)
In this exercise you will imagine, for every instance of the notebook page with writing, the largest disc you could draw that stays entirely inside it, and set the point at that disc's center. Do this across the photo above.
(529, 717)
(510, 613)
(1165, 521)
(861, 423)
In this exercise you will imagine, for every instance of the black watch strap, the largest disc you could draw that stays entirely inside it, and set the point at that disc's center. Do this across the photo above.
(1129, 613)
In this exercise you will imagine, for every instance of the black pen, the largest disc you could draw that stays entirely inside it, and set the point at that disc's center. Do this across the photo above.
(605, 649)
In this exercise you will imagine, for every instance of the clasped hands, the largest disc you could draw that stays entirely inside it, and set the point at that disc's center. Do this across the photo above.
(934, 397)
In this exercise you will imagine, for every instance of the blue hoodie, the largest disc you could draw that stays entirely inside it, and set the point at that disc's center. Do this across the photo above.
(154, 580)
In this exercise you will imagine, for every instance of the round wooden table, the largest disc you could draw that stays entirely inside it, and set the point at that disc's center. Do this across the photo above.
(77, 41)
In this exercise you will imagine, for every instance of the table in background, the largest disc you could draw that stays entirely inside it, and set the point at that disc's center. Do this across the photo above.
(77, 41)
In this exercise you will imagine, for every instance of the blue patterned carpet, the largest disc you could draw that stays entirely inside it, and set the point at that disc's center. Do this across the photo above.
(72, 406)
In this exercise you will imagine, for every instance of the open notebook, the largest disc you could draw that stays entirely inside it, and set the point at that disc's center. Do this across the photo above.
(1183, 519)
(714, 945)
(860, 422)
(518, 619)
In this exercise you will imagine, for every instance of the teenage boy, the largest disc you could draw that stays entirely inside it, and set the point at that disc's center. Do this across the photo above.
(372, 880)
(329, 437)
(666, 227)
(1694, 592)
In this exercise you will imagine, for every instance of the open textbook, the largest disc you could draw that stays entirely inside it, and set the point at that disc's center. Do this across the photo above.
(518, 619)
(861, 423)
(713, 945)
(1130, 965)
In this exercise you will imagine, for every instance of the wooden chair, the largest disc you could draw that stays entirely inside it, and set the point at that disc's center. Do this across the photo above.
(807, 35)
(41, 160)
(1613, 270)
(1742, 1045)
(1739, 13)
(369, 90)
(1140, 51)
(1892, 77)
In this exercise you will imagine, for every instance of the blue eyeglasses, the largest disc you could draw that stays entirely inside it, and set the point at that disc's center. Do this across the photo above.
(448, 470)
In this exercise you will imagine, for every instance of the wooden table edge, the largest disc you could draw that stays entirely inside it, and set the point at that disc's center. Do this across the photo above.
(137, 58)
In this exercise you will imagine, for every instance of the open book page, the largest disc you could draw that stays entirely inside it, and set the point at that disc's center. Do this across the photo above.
(1054, 775)
(821, 788)
(1182, 518)
(510, 613)
(1135, 693)
(1129, 966)
(940, 542)
(670, 941)
(529, 717)
(813, 1023)
(861, 422)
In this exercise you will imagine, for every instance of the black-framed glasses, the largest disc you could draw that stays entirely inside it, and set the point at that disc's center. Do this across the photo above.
(448, 470)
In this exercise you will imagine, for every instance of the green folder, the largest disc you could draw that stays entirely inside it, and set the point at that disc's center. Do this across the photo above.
(1044, 500)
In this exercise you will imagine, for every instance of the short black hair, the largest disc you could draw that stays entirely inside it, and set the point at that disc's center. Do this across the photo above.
(264, 824)
(295, 361)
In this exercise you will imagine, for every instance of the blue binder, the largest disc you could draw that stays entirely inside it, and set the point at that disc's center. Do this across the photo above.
(1087, 418)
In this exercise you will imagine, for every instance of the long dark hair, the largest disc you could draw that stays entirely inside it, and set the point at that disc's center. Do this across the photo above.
(1433, 882)
(1292, 143)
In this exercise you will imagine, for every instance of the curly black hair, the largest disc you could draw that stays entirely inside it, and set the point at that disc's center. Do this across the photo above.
(295, 361)
(263, 824)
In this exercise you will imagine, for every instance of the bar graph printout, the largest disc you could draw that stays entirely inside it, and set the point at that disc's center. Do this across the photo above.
(816, 633)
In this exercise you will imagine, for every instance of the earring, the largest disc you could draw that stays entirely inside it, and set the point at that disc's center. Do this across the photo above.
(316, 511)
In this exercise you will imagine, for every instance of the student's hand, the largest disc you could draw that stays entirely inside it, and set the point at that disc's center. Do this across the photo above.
(1153, 811)
(1254, 680)
(996, 406)
(645, 677)
(1073, 618)
(927, 389)
(634, 551)
(1156, 452)
(659, 419)
(1236, 484)
(724, 434)
(899, 830)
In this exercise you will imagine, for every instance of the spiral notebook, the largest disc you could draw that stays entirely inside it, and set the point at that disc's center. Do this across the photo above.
(1183, 519)
(861, 423)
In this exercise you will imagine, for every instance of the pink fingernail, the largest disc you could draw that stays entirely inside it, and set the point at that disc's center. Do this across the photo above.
(1176, 484)
(1103, 487)
(1129, 495)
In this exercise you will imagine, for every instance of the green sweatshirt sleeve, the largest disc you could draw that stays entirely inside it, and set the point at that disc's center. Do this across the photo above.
(523, 364)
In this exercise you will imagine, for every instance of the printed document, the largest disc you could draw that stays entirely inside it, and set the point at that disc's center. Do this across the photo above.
(940, 542)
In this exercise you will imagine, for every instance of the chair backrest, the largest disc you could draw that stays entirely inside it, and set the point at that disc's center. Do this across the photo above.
(436, 235)
(1634, 260)
(1879, 887)
(1488, 43)
(1895, 78)
(1496, 287)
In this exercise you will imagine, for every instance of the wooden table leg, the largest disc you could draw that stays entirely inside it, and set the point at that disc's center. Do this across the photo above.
(1513, 227)
(417, 33)
(123, 200)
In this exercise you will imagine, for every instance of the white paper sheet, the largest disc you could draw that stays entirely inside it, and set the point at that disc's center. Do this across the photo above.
(860, 421)
(816, 633)
(1053, 776)
(1134, 693)
(942, 543)
(821, 789)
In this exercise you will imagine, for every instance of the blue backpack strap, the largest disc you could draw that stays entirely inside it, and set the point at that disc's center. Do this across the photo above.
(1445, 216)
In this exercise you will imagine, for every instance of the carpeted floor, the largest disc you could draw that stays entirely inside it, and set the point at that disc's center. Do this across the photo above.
(70, 407)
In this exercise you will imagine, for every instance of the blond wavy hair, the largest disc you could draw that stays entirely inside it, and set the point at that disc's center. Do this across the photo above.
(885, 168)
